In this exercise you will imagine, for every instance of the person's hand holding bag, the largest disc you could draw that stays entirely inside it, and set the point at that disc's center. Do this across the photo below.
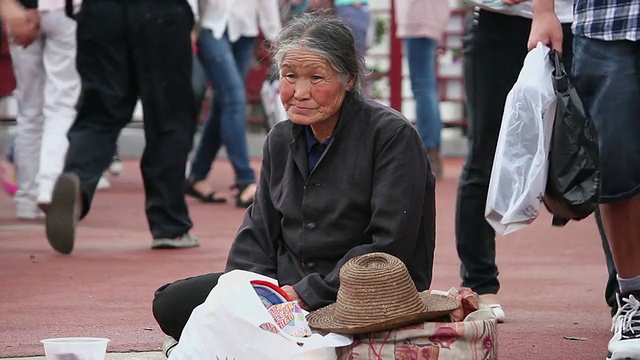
(545, 27)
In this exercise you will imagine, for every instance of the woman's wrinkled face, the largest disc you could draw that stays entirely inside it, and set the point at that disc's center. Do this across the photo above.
(311, 91)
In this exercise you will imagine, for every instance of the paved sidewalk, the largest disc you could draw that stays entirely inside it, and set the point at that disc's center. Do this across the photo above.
(552, 278)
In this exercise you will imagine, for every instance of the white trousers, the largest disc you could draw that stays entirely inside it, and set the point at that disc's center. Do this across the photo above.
(48, 87)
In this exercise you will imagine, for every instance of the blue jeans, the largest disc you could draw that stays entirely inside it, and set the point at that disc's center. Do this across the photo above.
(607, 77)
(358, 18)
(226, 65)
(421, 56)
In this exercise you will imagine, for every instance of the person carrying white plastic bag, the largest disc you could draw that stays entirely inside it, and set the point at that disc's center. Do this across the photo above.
(227, 326)
(519, 172)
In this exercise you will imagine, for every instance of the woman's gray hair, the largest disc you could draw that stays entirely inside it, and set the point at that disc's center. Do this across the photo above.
(329, 37)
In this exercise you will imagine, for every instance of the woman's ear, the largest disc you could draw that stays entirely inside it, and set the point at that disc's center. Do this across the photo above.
(350, 83)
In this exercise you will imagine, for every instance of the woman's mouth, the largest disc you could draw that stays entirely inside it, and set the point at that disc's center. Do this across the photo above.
(302, 108)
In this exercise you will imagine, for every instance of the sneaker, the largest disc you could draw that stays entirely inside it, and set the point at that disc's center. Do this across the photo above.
(29, 214)
(63, 213)
(625, 343)
(168, 346)
(116, 166)
(490, 301)
(103, 184)
(184, 241)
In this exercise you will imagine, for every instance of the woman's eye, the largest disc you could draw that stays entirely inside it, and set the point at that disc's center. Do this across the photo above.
(289, 77)
(316, 78)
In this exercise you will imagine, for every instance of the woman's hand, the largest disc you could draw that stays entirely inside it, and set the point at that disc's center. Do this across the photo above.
(293, 294)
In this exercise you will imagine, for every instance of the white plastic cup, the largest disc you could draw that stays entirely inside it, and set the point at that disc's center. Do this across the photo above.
(75, 348)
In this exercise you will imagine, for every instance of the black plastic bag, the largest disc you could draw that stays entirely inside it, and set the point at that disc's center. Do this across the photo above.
(573, 181)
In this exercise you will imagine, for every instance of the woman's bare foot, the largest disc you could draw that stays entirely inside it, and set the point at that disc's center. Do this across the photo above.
(202, 191)
(246, 195)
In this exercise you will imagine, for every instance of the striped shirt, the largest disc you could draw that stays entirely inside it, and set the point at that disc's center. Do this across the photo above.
(607, 19)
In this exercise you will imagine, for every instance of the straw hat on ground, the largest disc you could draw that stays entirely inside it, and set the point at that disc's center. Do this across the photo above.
(377, 293)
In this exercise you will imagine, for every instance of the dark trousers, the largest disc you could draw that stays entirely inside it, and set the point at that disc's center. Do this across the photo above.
(174, 302)
(495, 46)
(130, 49)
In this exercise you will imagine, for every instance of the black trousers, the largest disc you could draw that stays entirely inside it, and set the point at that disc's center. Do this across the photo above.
(495, 46)
(130, 49)
(174, 302)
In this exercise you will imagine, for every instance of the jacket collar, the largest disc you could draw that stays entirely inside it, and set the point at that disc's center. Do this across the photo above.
(298, 146)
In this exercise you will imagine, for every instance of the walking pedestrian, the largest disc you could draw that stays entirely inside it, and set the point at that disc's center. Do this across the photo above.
(606, 56)
(129, 50)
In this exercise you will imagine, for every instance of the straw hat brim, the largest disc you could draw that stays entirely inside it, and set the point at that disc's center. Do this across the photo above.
(437, 306)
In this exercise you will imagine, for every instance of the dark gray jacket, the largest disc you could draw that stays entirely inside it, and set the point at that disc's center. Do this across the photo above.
(372, 190)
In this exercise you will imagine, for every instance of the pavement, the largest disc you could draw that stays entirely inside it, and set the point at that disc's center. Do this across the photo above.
(552, 278)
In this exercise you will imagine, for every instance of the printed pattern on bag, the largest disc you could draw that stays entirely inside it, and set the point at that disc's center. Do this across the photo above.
(465, 337)
(475, 340)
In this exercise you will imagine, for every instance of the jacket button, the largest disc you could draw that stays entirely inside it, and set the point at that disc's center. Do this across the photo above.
(311, 226)
(311, 266)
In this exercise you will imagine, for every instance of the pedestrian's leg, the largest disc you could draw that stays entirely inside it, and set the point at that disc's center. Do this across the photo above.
(30, 80)
(208, 145)
(491, 69)
(174, 302)
(234, 133)
(219, 62)
(421, 57)
(108, 97)
(206, 151)
(61, 92)
(607, 77)
(210, 141)
(163, 59)
(109, 93)
(226, 65)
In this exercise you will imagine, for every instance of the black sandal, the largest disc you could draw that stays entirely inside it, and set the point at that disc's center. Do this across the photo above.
(209, 198)
(239, 190)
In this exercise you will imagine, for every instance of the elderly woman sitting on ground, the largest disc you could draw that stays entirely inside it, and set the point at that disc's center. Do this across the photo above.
(344, 176)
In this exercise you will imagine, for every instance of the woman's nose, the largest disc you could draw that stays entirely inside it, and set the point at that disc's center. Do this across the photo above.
(302, 89)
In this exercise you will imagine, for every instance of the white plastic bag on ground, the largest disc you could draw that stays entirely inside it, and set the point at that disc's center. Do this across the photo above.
(519, 172)
(227, 326)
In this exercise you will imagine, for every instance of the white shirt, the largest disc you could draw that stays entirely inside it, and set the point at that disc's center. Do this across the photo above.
(241, 18)
(49, 5)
